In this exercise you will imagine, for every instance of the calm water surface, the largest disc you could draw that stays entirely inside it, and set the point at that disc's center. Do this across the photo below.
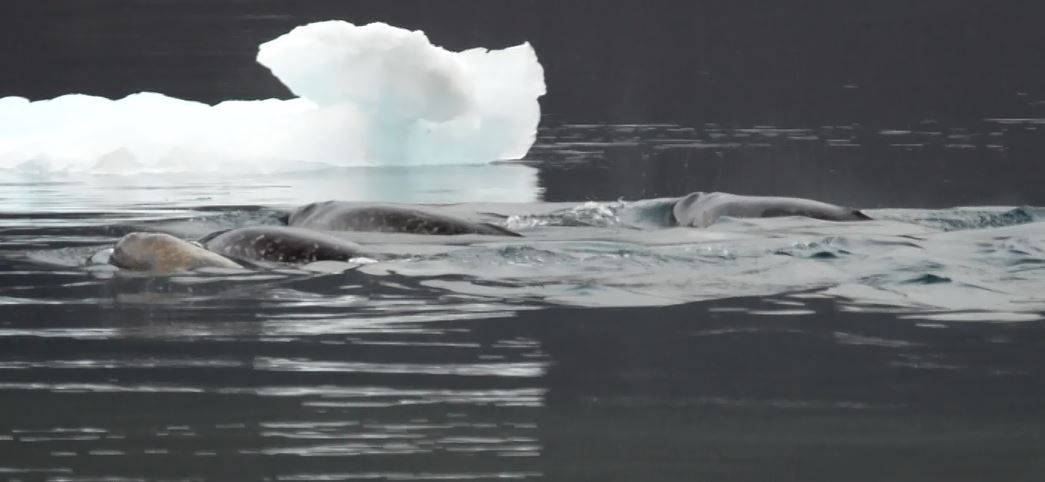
(603, 346)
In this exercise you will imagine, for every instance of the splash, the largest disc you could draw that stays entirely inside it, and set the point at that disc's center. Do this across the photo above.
(366, 95)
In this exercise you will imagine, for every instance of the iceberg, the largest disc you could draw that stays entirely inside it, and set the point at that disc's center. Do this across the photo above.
(372, 95)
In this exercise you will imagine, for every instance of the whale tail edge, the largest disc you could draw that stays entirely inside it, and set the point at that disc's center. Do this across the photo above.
(210, 236)
(860, 216)
(496, 230)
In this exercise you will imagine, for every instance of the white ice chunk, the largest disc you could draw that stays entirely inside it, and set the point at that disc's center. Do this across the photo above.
(383, 70)
(369, 95)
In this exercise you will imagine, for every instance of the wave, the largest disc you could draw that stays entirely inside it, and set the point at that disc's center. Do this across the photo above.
(966, 218)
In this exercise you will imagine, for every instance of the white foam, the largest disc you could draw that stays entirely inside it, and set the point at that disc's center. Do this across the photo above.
(367, 95)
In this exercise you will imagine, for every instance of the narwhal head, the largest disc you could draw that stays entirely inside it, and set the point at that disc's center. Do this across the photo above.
(302, 212)
(681, 207)
(162, 253)
(136, 251)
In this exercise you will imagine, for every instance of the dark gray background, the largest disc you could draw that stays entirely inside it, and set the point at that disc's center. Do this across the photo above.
(795, 62)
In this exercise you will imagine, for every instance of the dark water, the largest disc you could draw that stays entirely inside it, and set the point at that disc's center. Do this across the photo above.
(242, 390)
(447, 373)
(475, 366)
(123, 381)
(930, 165)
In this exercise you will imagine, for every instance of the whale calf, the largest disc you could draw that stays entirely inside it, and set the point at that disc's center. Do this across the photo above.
(280, 244)
(343, 216)
(700, 209)
(160, 252)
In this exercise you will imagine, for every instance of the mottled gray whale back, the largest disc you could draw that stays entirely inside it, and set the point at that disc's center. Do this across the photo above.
(343, 216)
(280, 244)
(158, 252)
(700, 210)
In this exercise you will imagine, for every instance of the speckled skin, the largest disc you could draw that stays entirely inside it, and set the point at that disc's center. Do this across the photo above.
(700, 209)
(342, 216)
(158, 252)
(281, 244)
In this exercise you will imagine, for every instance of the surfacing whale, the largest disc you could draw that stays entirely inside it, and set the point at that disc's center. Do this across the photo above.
(158, 252)
(280, 244)
(700, 209)
(247, 247)
(344, 216)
